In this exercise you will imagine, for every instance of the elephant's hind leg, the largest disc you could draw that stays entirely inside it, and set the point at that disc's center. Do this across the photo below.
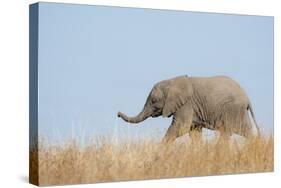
(195, 133)
(246, 127)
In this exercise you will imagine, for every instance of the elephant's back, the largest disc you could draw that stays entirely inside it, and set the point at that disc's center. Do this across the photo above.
(220, 87)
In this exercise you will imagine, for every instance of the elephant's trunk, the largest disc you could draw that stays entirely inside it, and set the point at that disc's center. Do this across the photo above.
(139, 118)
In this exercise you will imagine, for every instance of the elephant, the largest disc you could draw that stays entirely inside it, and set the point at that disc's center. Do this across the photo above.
(216, 103)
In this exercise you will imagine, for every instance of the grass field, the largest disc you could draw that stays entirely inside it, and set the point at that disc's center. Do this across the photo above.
(104, 161)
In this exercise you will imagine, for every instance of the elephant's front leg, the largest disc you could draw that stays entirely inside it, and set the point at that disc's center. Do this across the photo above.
(172, 133)
(181, 123)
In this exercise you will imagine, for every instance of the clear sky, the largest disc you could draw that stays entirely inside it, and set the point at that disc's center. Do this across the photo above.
(95, 61)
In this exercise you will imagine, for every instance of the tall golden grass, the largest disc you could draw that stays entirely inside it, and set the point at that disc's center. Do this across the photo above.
(105, 161)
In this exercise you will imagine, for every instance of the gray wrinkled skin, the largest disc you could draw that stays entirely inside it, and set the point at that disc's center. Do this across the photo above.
(215, 103)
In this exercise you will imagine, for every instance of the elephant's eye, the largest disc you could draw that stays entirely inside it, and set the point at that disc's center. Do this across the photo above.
(153, 100)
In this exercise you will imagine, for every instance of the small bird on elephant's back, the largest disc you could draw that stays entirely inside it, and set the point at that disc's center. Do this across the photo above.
(215, 103)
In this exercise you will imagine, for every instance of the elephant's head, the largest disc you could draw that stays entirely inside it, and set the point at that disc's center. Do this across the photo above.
(165, 98)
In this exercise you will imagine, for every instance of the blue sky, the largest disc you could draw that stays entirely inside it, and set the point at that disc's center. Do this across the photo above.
(95, 61)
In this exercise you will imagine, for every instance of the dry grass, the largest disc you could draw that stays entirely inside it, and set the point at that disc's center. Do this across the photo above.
(104, 161)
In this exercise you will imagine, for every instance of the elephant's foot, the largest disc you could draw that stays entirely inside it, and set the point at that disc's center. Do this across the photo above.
(168, 140)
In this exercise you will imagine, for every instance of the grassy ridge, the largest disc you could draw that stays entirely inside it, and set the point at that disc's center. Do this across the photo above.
(105, 161)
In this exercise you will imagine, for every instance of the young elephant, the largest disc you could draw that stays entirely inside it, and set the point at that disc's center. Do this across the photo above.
(216, 103)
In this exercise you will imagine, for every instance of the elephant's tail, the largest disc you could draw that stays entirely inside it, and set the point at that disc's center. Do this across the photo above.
(250, 108)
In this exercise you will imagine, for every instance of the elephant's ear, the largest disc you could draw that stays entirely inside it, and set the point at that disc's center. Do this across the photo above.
(177, 94)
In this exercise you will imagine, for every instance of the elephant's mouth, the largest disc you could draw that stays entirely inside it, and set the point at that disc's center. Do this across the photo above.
(157, 113)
